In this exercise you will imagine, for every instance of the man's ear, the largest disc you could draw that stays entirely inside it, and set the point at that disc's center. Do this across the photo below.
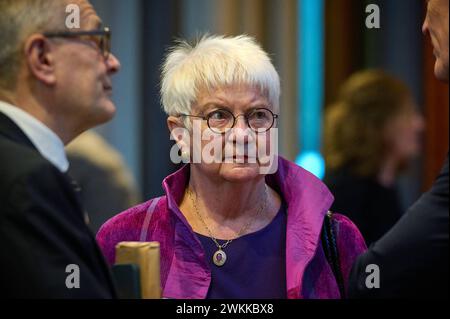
(40, 58)
(178, 132)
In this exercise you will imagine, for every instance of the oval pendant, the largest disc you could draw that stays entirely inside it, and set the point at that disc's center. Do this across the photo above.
(219, 258)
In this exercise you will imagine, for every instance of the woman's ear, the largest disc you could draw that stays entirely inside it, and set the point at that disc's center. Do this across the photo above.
(178, 132)
(173, 122)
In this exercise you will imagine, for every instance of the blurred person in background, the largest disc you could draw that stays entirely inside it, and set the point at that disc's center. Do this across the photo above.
(412, 258)
(229, 229)
(372, 132)
(55, 83)
(106, 183)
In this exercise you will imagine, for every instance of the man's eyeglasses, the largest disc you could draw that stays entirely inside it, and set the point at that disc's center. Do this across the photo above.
(260, 120)
(102, 38)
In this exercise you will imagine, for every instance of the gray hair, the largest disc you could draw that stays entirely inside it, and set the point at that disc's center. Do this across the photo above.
(18, 20)
(211, 62)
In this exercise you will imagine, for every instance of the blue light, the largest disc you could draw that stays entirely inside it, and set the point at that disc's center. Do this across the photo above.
(313, 162)
(310, 75)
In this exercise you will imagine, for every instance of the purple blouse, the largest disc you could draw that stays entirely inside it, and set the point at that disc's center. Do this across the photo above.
(255, 266)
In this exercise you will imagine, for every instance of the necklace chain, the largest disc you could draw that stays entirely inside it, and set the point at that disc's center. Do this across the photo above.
(241, 231)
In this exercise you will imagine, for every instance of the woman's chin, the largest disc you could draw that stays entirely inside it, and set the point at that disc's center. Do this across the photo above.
(239, 172)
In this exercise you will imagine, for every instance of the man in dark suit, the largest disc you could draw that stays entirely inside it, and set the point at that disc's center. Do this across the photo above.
(411, 260)
(54, 84)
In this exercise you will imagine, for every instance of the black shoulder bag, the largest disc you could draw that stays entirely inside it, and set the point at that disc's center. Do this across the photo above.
(331, 251)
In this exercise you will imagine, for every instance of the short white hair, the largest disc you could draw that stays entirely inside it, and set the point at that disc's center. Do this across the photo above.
(211, 62)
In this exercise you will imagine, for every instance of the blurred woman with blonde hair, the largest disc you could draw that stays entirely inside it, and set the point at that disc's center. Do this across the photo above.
(372, 132)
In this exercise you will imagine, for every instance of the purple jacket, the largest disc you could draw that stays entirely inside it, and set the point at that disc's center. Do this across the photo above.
(184, 269)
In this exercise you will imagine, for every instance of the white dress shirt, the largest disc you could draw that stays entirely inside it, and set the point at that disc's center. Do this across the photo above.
(45, 140)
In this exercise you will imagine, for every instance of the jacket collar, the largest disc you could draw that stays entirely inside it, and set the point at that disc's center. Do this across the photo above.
(308, 200)
(11, 131)
(43, 138)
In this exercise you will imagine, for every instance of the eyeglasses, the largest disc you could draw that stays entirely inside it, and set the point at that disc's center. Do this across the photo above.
(260, 120)
(102, 38)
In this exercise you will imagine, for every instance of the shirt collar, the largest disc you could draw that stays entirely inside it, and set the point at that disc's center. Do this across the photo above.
(45, 140)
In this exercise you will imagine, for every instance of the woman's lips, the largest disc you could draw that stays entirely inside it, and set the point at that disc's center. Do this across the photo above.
(240, 159)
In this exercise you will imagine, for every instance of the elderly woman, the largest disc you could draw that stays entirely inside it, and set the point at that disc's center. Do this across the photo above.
(228, 226)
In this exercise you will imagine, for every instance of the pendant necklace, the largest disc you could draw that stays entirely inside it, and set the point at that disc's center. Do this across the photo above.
(220, 257)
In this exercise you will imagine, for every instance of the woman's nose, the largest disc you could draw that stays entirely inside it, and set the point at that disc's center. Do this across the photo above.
(241, 122)
(419, 122)
(241, 132)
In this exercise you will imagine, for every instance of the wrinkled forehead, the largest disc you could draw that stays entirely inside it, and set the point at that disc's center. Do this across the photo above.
(234, 91)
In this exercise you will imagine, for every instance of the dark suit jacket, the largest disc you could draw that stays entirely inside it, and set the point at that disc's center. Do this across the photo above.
(372, 207)
(42, 227)
(413, 256)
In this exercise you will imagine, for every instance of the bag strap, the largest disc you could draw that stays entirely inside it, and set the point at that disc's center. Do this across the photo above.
(331, 251)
